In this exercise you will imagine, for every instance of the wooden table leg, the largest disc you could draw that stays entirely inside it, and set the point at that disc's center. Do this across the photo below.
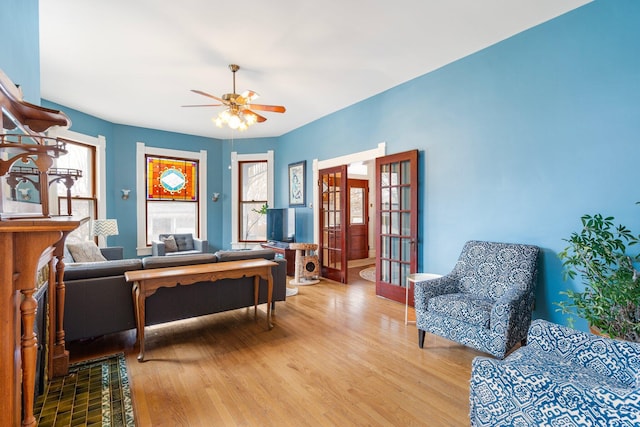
(269, 297)
(139, 305)
(256, 292)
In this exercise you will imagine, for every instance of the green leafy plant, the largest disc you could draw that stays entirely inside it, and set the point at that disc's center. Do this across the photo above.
(598, 254)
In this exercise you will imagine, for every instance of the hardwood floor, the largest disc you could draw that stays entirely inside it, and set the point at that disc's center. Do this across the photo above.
(337, 356)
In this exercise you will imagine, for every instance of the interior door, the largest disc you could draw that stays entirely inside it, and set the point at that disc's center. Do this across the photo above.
(396, 224)
(332, 245)
(358, 220)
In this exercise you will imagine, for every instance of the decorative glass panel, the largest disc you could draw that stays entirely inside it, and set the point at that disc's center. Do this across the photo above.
(172, 179)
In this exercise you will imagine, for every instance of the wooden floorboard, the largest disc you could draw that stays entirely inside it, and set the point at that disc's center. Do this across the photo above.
(337, 356)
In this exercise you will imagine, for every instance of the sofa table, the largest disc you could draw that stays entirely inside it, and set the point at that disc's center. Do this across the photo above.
(147, 282)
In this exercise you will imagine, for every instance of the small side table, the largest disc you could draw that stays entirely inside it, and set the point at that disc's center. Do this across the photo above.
(413, 278)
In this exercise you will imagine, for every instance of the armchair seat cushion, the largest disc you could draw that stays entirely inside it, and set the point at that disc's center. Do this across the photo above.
(464, 307)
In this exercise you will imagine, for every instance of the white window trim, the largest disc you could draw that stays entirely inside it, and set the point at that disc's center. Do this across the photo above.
(100, 144)
(142, 151)
(235, 188)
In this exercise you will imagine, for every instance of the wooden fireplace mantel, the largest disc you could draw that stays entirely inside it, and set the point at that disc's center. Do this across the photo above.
(27, 245)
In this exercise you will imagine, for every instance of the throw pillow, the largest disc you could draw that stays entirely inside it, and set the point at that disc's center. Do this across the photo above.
(86, 251)
(170, 244)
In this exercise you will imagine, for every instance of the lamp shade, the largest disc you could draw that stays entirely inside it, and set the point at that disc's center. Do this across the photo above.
(104, 227)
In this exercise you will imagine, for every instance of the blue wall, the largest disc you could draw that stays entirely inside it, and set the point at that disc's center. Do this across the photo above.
(20, 36)
(516, 142)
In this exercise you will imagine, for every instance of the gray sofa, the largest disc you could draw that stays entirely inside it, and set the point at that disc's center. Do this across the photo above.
(98, 300)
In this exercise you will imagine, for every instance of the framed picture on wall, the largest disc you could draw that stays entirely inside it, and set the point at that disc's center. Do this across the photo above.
(296, 183)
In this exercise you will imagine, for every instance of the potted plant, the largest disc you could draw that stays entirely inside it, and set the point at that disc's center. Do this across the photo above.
(598, 254)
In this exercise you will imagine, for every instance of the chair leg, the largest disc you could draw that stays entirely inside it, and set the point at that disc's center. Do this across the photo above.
(421, 335)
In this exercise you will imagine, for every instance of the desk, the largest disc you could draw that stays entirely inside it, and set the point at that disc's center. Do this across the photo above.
(147, 282)
(413, 278)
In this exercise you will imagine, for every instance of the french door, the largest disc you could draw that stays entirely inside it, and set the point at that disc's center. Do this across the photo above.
(396, 223)
(333, 222)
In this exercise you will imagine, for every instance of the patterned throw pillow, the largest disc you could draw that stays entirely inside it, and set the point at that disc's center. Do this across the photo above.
(170, 244)
(85, 251)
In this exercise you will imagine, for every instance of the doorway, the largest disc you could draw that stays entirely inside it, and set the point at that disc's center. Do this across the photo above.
(393, 201)
(357, 219)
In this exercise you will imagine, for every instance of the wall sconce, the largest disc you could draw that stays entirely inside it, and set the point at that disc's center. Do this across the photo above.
(125, 193)
(216, 197)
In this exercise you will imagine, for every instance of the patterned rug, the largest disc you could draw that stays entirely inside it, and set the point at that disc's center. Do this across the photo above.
(368, 274)
(94, 393)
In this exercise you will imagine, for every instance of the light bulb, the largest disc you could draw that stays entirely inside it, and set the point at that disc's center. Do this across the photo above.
(250, 118)
(234, 121)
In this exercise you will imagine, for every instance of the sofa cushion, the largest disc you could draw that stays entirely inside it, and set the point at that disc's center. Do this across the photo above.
(86, 270)
(184, 241)
(177, 260)
(244, 254)
(170, 244)
(86, 251)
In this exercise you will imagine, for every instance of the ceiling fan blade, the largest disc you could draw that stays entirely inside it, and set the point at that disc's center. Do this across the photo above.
(203, 105)
(271, 108)
(199, 92)
(259, 118)
(250, 95)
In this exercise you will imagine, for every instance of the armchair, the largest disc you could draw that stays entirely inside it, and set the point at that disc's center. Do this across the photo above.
(178, 244)
(485, 302)
(563, 377)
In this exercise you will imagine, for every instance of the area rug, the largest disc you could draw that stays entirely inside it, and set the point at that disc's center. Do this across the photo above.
(368, 274)
(94, 393)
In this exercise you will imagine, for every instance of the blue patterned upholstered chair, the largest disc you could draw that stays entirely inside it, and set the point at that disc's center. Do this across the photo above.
(485, 302)
(563, 377)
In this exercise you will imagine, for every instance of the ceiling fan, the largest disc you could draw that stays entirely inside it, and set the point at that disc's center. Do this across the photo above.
(239, 113)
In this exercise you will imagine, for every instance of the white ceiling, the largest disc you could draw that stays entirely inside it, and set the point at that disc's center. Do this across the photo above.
(134, 62)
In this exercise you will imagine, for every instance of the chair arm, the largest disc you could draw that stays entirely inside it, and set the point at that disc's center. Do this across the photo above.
(113, 253)
(506, 309)
(201, 245)
(426, 289)
(157, 248)
(606, 356)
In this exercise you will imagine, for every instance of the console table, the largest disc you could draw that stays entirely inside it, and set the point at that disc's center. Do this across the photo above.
(147, 282)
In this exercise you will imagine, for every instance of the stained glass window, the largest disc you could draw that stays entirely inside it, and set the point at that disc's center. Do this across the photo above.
(172, 179)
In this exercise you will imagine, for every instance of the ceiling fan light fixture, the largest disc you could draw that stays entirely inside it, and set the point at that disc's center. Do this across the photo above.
(238, 114)
(235, 119)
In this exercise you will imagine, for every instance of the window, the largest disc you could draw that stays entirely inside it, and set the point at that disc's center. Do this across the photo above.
(171, 196)
(254, 182)
(86, 194)
(170, 193)
(251, 190)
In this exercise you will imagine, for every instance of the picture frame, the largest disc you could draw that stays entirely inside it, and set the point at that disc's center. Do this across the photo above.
(297, 196)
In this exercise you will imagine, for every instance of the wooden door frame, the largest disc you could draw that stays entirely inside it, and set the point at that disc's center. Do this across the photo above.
(360, 156)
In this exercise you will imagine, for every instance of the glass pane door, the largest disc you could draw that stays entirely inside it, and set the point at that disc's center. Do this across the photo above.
(397, 211)
(333, 254)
